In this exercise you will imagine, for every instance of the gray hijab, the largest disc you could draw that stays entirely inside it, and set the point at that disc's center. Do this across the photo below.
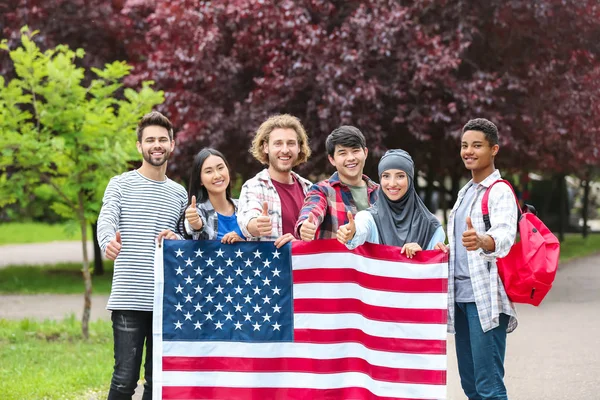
(406, 220)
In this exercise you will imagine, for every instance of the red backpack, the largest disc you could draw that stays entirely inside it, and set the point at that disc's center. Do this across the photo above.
(528, 270)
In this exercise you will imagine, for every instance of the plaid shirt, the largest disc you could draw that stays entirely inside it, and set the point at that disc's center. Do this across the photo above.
(210, 221)
(329, 201)
(257, 190)
(490, 296)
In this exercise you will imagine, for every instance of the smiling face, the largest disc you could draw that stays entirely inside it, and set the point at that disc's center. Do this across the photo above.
(476, 152)
(349, 163)
(282, 149)
(214, 175)
(394, 183)
(155, 145)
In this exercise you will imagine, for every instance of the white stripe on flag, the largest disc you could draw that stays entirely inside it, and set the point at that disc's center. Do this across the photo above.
(369, 296)
(303, 380)
(392, 269)
(370, 327)
(305, 350)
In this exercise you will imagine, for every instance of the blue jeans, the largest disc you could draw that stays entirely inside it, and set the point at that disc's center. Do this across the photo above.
(130, 330)
(480, 355)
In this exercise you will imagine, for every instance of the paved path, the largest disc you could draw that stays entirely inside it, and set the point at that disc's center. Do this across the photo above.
(553, 355)
(43, 253)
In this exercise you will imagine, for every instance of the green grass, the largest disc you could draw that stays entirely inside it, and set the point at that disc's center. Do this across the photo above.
(64, 278)
(50, 360)
(36, 232)
(575, 246)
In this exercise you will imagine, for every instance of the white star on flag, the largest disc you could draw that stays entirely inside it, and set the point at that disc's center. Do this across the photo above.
(220, 253)
(208, 316)
(179, 271)
(178, 325)
(266, 281)
(178, 307)
(209, 280)
(188, 316)
(276, 327)
(229, 262)
(189, 262)
(209, 262)
(247, 317)
(218, 325)
(198, 307)
(208, 298)
(276, 273)
(228, 316)
(188, 280)
(257, 309)
(248, 263)
(197, 325)
(178, 289)
(198, 271)
(220, 271)
(276, 254)
(276, 309)
(219, 307)
(266, 318)
(179, 253)
(238, 271)
(256, 326)
(257, 254)
(238, 325)
(238, 253)
(199, 253)
(198, 289)
(267, 263)
(188, 298)
(276, 290)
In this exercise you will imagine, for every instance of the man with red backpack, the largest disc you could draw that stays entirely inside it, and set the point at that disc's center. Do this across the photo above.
(479, 310)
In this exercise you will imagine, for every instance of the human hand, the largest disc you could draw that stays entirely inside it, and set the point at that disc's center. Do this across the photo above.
(166, 234)
(114, 247)
(231, 237)
(441, 246)
(308, 228)
(263, 222)
(410, 249)
(346, 232)
(192, 216)
(281, 240)
(470, 238)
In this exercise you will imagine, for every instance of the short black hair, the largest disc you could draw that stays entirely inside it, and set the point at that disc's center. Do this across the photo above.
(487, 127)
(154, 118)
(347, 136)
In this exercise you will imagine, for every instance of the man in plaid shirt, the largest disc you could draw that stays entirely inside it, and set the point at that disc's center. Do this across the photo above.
(479, 311)
(328, 202)
(270, 202)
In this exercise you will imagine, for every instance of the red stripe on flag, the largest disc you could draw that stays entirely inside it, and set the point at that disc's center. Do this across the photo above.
(412, 346)
(376, 313)
(375, 282)
(304, 365)
(368, 250)
(193, 393)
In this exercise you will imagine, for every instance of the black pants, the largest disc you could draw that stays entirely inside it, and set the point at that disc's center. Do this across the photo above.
(130, 330)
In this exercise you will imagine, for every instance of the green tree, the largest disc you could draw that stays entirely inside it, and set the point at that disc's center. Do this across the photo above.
(67, 135)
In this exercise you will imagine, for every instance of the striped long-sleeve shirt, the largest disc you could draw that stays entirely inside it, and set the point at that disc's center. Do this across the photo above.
(139, 208)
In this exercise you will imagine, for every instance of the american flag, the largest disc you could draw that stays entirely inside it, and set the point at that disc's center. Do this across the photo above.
(306, 321)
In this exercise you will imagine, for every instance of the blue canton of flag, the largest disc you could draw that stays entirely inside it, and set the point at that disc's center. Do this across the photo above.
(237, 292)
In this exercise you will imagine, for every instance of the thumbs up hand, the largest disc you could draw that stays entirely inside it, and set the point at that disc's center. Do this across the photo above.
(114, 247)
(471, 239)
(308, 228)
(263, 221)
(346, 232)
(192, 216)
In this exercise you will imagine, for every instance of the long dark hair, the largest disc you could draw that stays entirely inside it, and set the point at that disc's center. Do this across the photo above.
(195, 188)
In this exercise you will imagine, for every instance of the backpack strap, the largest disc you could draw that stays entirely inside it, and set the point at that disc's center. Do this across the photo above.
(484, 203)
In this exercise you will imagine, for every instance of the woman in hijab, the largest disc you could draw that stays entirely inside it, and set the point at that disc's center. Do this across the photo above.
(398, 217)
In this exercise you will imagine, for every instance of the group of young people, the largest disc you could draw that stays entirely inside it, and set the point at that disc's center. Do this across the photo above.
(143, 205)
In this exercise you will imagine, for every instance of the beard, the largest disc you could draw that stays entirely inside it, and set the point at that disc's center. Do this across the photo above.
(154, 161)
(274, 163)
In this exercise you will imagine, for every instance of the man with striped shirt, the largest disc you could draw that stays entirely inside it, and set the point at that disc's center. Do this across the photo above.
(139, 208)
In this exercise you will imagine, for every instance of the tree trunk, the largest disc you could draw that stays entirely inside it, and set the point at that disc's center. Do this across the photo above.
(428, 199)
(98, 264)
(562, 207)
(584, 208)
(87, 277)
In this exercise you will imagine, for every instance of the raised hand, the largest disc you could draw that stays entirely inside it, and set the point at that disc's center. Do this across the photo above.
(192, 216)
(346, 232)
(263, 222)
(114, 247)
(470, 238)
(308, 228)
